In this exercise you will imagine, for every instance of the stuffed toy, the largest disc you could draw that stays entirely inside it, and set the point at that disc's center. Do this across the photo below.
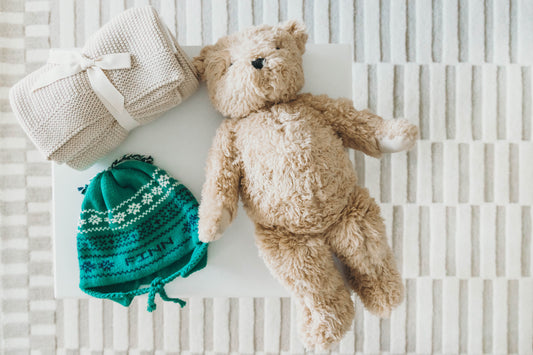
(284, 154)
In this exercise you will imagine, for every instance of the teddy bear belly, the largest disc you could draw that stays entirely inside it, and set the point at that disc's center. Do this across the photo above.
(300, 209)
(304, 191)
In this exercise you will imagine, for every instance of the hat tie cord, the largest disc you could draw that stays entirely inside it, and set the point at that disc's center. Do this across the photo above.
(158, 286)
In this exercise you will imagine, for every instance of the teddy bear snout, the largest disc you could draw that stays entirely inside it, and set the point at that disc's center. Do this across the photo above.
(258, 63)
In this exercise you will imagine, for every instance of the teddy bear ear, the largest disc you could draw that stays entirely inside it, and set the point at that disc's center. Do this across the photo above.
(298, 31)
(199, 61)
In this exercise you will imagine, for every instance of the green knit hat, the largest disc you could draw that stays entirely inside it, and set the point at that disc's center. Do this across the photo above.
(138, 230)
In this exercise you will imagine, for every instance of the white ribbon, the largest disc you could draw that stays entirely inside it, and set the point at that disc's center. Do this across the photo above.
(71, 62)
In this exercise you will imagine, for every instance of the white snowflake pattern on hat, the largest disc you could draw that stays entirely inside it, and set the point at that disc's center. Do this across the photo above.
(157, 190)
(163, 180)
(94, 219)
(147, 198)
(119, 217)
(81, 223)
(134, 208)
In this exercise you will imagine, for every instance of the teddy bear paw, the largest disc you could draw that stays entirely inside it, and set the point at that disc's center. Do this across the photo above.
(397, 135)
(212, 230)
(382, 299)
(320, 338)
(319, 331)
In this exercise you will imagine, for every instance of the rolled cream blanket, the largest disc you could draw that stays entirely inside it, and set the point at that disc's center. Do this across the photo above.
(139, 72)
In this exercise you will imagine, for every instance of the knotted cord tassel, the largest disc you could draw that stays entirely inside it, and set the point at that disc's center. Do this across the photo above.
(83, 189)
(164, 297)
(157, 286)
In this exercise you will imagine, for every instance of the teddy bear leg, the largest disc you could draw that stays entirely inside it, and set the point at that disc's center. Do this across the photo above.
(304, 265)
(360, 242)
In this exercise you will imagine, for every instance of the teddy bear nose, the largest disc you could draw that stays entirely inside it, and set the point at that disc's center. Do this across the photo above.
(258, 63)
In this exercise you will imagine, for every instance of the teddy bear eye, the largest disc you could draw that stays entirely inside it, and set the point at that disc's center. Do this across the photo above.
(277, 47)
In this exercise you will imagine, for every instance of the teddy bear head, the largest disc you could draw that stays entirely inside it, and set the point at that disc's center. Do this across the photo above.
(254, 68)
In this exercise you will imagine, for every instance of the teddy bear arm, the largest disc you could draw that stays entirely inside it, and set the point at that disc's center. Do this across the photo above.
(376, 135)
(220, 193)
(358, 129)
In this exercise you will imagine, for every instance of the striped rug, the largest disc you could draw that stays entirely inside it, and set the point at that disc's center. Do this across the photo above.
(458, 207)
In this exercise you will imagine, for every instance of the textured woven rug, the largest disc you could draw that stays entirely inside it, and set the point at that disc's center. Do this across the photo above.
(458, 207)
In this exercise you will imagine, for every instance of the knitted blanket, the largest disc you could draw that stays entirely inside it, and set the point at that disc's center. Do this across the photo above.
(67, 120)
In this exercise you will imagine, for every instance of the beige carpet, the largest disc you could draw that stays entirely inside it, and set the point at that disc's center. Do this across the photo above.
(458, 207)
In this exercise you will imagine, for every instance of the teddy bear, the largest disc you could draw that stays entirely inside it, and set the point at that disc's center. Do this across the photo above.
(283, 153)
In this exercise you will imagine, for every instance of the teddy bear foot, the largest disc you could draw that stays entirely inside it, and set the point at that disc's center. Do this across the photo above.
(319, 331)
(321, 337)
(380, 298)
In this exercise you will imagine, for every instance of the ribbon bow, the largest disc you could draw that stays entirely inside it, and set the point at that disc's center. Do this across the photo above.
(71, 62)
(157, 286)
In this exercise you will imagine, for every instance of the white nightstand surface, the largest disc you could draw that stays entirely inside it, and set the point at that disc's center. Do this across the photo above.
(179, 141)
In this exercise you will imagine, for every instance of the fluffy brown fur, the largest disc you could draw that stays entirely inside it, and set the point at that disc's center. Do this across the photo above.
(284, 154)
